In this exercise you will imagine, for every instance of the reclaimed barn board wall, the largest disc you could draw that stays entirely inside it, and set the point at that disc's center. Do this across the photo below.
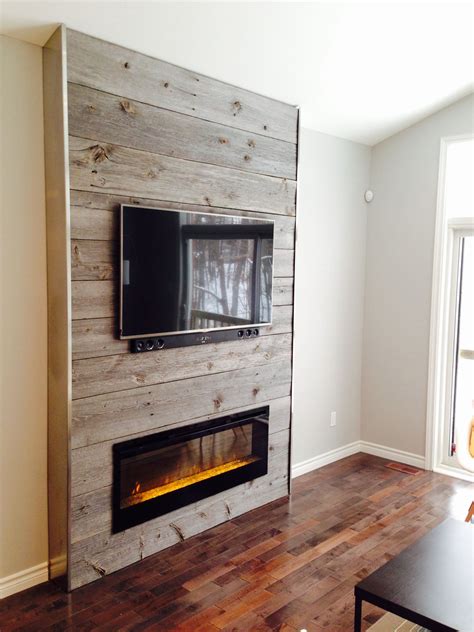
(146, 132)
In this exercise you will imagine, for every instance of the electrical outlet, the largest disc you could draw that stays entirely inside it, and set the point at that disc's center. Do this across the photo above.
(333, 419)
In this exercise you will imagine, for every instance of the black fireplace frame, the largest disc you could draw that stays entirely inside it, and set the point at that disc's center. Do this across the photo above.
(124, 518)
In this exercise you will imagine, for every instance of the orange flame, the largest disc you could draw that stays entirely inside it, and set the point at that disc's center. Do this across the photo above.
(136, 496)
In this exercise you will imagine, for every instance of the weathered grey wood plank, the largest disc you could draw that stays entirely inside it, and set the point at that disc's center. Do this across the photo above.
(93, 260)
(103, 225)
(104, 66)
(283, 291)
(108, 374)
(114, 119)
(94, 299)
(107, 227)
(283, 263)
(114, 169)
(95, 548)
(108, 416)
(87, 222)
(95, 337)
(91, 466)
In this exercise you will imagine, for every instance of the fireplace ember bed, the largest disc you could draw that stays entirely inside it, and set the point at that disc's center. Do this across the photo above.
(159, 473)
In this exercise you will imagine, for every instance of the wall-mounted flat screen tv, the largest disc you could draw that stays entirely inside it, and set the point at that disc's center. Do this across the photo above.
(184, 272)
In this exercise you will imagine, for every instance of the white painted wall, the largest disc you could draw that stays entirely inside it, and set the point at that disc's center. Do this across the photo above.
(329, 290)
(400, 239)
(23, 321)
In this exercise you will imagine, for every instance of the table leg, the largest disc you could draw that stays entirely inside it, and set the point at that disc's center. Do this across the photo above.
(357, 614)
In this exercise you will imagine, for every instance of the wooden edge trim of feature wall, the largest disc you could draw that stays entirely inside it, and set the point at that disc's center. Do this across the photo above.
(59, 303)
(295, 236)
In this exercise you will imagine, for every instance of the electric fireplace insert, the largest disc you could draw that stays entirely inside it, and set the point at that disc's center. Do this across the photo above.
(159, 473)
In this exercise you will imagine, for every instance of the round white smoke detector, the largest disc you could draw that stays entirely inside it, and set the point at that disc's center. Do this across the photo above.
(369, 195)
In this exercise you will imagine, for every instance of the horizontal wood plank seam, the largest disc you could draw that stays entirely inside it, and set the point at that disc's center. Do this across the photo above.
(98, 141)
(117, 241)
(203, 206)
(200, 118)
(182, 424)
(179, 379)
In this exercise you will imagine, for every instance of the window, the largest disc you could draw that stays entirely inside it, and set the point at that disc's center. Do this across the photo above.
(451, 374)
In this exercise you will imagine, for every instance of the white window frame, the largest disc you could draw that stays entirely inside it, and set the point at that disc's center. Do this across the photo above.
(443, 302)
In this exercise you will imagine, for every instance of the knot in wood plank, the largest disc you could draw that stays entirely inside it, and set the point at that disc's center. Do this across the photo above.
(237, 107)
(98, 153)
(127, 107)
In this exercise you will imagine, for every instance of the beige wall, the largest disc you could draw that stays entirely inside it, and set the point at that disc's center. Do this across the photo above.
(23, 499)
(330, 261)
(400, 240)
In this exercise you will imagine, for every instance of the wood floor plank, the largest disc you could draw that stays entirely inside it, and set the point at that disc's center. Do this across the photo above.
(283, 567)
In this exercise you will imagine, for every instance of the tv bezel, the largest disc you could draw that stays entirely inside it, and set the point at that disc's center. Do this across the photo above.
(189, 331)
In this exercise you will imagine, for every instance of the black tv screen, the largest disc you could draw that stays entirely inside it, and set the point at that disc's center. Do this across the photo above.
(186, 272)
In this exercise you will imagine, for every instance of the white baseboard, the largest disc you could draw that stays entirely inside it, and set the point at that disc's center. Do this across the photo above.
(416, 460)
(324, 459)
(393, 454)
(24, 579)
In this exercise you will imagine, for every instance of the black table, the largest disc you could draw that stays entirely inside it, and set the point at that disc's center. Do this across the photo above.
(431, 583)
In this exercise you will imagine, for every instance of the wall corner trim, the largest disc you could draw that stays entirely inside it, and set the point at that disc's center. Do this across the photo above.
(382, 451)
(22, 580)
(314, 463)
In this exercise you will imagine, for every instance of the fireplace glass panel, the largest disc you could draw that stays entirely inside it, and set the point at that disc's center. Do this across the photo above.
(159, 473)
(166, 469)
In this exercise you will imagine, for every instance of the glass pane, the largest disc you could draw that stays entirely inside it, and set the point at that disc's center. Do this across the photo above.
(163, 470)
(463, 406)
(222, 282)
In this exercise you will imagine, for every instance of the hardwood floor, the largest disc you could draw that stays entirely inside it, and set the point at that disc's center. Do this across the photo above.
(286, 566)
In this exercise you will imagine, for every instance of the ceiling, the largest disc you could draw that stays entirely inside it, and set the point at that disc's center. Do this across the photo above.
(362, 71)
